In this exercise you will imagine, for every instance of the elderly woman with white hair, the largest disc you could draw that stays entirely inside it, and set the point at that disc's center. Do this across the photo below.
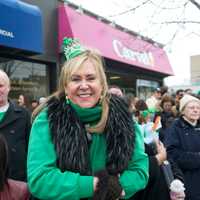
(183, 144)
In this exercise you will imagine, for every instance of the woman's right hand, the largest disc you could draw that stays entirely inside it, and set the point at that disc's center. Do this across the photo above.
(161, 156)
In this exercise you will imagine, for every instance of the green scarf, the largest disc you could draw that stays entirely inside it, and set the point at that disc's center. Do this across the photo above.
(2, 114)
(68, 133)
(87, 115)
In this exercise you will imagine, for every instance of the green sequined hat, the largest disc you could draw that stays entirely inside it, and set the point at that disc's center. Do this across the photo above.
(72, 48)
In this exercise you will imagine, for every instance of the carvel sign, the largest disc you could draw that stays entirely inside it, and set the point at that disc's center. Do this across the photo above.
(111, 42)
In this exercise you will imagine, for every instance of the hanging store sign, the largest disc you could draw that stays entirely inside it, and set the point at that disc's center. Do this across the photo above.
(130, 54)
(112, 42)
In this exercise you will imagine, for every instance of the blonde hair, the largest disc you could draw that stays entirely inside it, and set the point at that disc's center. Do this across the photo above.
(71, 67)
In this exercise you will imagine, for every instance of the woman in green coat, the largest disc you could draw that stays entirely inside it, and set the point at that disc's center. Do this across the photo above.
(83, 144)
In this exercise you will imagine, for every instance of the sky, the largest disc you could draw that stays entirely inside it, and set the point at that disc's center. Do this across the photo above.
(148, 21)
(179, 57)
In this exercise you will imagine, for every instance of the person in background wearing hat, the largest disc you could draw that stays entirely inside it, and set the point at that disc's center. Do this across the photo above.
(183, 144)
(83, 144)
(153, 101)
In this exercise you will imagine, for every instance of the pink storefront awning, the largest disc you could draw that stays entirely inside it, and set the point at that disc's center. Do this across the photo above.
(111, 42)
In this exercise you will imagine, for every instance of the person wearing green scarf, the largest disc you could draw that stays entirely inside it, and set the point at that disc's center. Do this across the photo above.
(83, 142)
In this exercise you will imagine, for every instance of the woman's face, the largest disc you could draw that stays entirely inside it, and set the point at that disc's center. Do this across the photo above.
(21, 100)
(192, 111)
(167, 106)
(84, 87)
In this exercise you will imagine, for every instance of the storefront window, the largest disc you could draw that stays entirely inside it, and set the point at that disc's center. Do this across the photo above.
(145, 88)
(30, 79)
(125, 82)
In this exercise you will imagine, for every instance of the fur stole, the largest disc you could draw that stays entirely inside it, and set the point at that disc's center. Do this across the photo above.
(70, 137)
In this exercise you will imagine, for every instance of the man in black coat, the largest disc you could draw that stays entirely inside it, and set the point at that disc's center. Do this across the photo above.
(15, 126)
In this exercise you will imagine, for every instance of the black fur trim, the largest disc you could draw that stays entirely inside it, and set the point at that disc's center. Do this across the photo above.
(119, 136)
(70, 138)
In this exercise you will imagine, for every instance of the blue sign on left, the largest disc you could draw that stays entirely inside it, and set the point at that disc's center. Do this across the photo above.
(20, 26)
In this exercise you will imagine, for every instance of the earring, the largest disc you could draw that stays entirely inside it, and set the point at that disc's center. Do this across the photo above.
(67, 99)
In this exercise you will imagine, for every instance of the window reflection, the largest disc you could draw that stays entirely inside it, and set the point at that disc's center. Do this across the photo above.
(26, 78)
(145, 88)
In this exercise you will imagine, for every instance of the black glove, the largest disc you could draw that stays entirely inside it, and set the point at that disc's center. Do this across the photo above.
(114, 188)
(102, 185)
(108, 186)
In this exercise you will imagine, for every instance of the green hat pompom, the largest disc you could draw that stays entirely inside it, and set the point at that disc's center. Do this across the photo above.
(72, 48)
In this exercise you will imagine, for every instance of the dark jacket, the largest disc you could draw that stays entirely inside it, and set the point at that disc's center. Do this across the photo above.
(15, 126)
(183, 145)
(167, 119)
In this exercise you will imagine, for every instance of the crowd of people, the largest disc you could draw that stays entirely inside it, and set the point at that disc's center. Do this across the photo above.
(171, 130)
(89, 140)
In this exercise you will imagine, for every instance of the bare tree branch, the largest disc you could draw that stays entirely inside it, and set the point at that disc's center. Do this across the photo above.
(168, 8)
(195, 3)
(130, 10)
(179, 22)
(157, 15)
